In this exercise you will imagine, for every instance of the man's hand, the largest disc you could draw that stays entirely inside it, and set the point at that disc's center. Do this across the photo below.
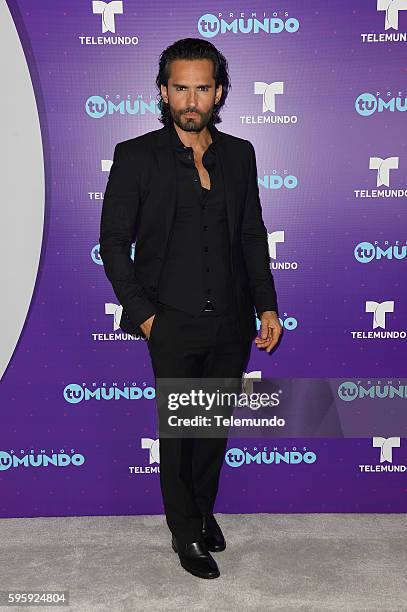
(270, 330)
(146, 326)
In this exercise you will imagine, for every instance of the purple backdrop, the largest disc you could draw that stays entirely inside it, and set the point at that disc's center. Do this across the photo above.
(332, 180)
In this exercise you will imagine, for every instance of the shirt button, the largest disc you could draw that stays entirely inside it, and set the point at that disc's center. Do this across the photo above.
(206, 249)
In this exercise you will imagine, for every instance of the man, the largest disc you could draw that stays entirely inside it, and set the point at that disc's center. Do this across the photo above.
(188, 195)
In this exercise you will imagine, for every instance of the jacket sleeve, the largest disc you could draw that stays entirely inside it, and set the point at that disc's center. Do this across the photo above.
(255, 245)
(118, 231)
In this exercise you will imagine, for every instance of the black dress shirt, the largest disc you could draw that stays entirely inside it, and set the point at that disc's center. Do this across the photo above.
(196, 269)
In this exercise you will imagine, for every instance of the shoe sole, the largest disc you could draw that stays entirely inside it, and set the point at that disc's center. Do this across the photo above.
(200, 575)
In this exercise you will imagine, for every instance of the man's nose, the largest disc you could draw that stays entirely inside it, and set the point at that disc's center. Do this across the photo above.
(191, 98)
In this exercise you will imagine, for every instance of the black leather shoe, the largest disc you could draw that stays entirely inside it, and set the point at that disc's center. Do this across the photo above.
(212, 534)
(196, 559)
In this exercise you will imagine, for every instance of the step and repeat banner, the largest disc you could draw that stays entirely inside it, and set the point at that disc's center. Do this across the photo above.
(320, 90)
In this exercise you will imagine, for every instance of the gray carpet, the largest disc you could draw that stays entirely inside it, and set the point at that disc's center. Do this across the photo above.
(304, 562)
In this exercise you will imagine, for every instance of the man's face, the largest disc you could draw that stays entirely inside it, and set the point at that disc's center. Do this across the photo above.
(191, 89)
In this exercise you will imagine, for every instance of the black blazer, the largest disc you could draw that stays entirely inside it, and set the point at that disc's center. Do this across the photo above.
(139, 205)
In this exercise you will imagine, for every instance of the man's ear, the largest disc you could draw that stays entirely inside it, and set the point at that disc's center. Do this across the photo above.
(218, 93)
(164, 93)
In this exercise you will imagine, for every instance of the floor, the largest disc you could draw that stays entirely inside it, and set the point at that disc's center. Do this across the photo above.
(282, 562)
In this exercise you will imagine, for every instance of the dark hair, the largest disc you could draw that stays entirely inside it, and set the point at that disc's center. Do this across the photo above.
(193, 48)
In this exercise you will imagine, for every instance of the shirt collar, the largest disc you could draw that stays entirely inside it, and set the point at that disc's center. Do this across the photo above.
(177, 142)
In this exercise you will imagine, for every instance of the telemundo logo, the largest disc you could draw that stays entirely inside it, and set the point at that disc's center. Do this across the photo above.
(276, 181)
(365, 252)
(95, 255)
(210, 25)
(348, 391)
(74, 393)
(367, 104)
(236, 457)
(97, 107)
(96, 258)
(8, 460)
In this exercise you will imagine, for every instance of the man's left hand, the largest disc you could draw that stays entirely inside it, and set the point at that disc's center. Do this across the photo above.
(270, 330)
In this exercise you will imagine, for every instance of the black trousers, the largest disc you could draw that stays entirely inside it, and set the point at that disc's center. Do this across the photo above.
(185, 346)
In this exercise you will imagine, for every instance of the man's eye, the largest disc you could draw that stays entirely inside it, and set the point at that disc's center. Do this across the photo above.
(204, 87)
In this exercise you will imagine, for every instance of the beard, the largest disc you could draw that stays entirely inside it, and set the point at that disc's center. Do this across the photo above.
(191, 124)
